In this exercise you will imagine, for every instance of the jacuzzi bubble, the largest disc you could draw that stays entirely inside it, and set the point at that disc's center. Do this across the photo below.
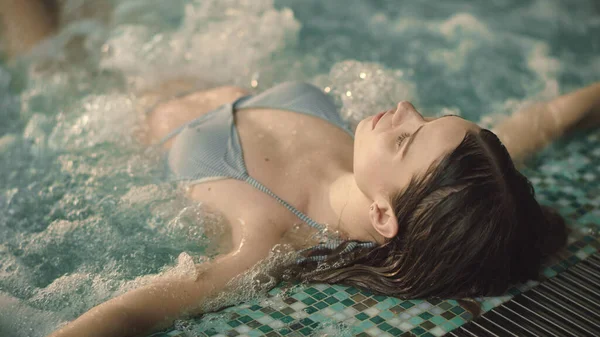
(332, 329)
(102, 119)
(36, 132)
(364, 89)
(7, 141)
(196, 48)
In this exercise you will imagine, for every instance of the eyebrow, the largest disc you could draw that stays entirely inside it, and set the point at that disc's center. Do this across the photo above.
(414, 135)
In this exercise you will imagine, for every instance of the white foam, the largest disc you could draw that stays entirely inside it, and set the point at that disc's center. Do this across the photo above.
(364, 89)
(6, 141)
(202, 46)
(102, 118)
(20, 320)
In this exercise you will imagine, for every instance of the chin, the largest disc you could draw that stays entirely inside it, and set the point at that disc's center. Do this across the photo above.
(360, 126)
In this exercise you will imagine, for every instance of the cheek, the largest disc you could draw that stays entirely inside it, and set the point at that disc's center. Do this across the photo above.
(371, 164)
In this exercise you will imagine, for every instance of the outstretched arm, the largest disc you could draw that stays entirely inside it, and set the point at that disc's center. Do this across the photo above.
(155, 306)
(529, 130)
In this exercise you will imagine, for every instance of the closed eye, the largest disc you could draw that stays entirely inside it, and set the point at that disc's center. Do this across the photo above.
(402, 138)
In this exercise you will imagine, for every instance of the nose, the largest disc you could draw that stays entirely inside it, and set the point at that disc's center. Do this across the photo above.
(406, 112)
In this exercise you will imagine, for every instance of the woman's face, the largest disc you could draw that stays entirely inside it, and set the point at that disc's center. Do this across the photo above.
(393, 146)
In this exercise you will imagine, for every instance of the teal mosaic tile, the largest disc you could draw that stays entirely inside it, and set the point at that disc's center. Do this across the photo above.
(347, 302)
(418, 331)
(386, 314)
(330, 291)
(306, 331)
(406, 305)
(321, 305)
(341, 295)
(310, 310)
(448, 326)
(366, 324)
(300, 296)
(385, 327)
(395, 332)
(383, 305)
(351, 291)
(377, 319)
(309, 301)
(265, 328)
(318, 318)
(457, 321)
(255, 333)
(337, 306)
(331, 300)
(311, 291)
(416, 320)
(437, 320)
(457, 310)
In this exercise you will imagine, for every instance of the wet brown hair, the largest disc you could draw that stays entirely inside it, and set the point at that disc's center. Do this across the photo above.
(470, 226)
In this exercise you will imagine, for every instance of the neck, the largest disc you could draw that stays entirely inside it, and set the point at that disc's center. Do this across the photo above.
(350, 209)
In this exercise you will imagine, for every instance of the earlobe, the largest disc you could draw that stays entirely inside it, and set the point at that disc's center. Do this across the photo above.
(384, 220)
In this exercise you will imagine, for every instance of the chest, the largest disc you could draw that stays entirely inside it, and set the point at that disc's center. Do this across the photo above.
(283, 148)
(290, 154)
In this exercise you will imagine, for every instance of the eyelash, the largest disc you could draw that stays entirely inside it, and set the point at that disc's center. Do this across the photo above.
(401, 138)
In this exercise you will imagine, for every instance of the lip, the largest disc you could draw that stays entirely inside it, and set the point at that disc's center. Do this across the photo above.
(376, 119)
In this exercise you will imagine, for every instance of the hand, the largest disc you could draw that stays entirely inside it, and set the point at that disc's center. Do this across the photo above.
(587, 100)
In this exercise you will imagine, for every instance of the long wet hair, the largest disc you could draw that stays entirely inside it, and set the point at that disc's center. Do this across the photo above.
(470, 226)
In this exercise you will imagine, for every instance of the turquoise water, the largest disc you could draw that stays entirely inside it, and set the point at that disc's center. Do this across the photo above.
(84, 214)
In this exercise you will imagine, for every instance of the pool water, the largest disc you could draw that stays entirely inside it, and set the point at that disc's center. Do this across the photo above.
(85, 213)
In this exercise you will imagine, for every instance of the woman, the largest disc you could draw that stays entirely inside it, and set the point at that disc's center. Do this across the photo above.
(423, 207)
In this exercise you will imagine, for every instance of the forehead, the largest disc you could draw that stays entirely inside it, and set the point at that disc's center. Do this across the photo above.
(438, 138)
(451, 129)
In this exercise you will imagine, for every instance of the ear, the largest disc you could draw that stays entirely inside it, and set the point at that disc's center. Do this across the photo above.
(383, 218)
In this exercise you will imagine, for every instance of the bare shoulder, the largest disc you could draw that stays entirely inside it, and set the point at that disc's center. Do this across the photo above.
(176, 103)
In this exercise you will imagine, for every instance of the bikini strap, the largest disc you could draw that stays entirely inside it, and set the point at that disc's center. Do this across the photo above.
(254, 183)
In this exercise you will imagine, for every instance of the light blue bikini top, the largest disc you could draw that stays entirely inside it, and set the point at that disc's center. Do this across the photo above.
(208, 148)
